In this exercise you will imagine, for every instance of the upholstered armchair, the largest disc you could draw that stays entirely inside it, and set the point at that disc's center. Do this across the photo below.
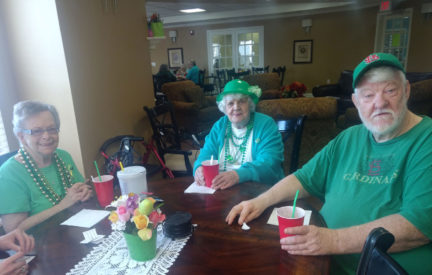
(268, 82)
(319, 127)
(194, 111)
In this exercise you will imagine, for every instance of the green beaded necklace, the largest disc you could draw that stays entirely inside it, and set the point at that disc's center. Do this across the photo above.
(241, 147)
(44, 186)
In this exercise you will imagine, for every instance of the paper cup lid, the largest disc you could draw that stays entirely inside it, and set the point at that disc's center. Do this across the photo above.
(132, 170)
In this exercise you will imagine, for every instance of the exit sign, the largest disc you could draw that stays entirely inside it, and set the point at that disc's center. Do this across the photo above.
(385, 5)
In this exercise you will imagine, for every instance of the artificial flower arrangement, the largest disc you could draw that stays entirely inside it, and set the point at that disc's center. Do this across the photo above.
(155, 18)
(295, 89)
(136, 217)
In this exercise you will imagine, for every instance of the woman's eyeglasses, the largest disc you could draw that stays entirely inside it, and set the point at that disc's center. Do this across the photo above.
(39, 132)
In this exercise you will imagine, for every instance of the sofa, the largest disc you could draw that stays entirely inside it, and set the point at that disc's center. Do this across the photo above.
(195, 112)
(419, 102)
(268, 82)
(319, 127)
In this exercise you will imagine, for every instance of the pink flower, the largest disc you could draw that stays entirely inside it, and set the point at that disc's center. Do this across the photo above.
(156, 217)
(123, 214)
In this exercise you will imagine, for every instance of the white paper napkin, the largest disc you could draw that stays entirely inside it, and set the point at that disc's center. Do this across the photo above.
(195, 188)
(274, 221)
(86, 218)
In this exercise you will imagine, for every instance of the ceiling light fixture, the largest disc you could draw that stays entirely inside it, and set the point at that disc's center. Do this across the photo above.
(192, 10)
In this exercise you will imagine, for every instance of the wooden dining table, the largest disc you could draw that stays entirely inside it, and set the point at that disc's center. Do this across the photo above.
(213, 248)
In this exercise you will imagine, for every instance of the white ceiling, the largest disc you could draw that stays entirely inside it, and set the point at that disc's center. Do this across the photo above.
(245, 10)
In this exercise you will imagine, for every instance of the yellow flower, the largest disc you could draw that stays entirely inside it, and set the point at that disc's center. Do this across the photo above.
(145, 234)
(113, 217)
(141, 221)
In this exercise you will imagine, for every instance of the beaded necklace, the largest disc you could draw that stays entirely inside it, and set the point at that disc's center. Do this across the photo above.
(241, 147)
(44, 186)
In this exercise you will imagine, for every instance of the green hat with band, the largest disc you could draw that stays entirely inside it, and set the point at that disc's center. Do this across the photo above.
(375, 60)
(238, 86)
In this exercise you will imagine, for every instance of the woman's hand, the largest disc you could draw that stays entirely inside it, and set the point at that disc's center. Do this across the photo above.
(78, 192)
(15, 264)
(225, 180)
(17, 240)
(199, 176)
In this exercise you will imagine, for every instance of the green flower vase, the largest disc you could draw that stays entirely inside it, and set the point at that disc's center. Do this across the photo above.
(140, 250)
(157, 29)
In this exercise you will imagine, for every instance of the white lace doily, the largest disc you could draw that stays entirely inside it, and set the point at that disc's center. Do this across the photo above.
(112, 257)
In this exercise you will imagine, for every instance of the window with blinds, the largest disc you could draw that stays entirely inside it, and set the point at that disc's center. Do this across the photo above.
(4, 146)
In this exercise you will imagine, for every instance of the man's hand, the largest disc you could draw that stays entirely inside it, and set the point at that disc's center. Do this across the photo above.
(225, 180)
(17, 240)
(246, 210)
(310, 240)
(199, 176)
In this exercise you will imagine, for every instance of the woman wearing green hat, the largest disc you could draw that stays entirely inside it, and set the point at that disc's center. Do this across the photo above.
(246, 143)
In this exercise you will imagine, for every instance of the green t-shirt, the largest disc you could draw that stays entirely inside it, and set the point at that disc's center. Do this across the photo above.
(19, 192)
(360, 180)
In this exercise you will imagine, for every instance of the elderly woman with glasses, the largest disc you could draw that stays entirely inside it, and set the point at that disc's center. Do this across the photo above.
(246, 143)
(40, 180)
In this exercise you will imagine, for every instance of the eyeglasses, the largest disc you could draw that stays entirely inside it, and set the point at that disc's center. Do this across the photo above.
(40, 132)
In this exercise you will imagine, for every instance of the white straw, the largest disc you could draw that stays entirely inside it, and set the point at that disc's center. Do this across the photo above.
(211, 160)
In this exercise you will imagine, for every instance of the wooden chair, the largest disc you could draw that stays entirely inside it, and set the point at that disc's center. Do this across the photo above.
(212, 85)
(281, 72)
(291, 129)
(258, 70)
(240, 75)
(222, 76)
(201, 77)
(230, 74)
(374, 259)
(169, 141)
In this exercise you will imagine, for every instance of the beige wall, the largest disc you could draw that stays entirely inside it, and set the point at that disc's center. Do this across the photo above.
(109, 70)
(38, 65)
(340, 41)
(93, 65)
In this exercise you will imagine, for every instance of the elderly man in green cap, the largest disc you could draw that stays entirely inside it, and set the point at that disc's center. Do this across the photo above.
(377, 174)
(247, 144)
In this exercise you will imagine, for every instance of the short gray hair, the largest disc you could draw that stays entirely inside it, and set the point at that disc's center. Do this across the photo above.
(25, 109)
(383, 73)
(222, 103)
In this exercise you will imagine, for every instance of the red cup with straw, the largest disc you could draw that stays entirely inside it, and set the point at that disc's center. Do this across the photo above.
(104, 187)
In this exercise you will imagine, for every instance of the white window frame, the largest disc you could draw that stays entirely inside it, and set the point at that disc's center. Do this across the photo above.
(234, 32)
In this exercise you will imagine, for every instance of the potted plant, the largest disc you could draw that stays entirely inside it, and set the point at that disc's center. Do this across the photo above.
(156, 25)
(295, 89)
(138, 220)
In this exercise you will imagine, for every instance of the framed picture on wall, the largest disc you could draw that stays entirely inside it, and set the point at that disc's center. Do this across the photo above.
(175, 58)
(302, 52)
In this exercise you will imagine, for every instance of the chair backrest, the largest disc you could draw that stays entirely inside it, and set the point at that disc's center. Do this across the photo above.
(5, 157)
(374, 260)
(281, 72)
(292, 128)
(230, 74)
(222, 76)
(201, 77)
(165, 131)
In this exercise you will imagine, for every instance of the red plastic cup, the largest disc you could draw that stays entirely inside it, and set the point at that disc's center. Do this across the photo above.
(104, 189)
(285, 219)
(210, 171)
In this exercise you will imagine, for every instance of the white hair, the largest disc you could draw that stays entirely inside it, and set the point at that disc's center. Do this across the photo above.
(381, 74)
(25, 109)
(228, 97)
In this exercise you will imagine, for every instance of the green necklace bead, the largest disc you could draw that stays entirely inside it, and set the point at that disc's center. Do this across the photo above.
(230, 136)
(42, 183)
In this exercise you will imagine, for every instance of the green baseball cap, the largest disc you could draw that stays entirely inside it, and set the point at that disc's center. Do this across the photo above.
(375, 60)
(238, 86)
